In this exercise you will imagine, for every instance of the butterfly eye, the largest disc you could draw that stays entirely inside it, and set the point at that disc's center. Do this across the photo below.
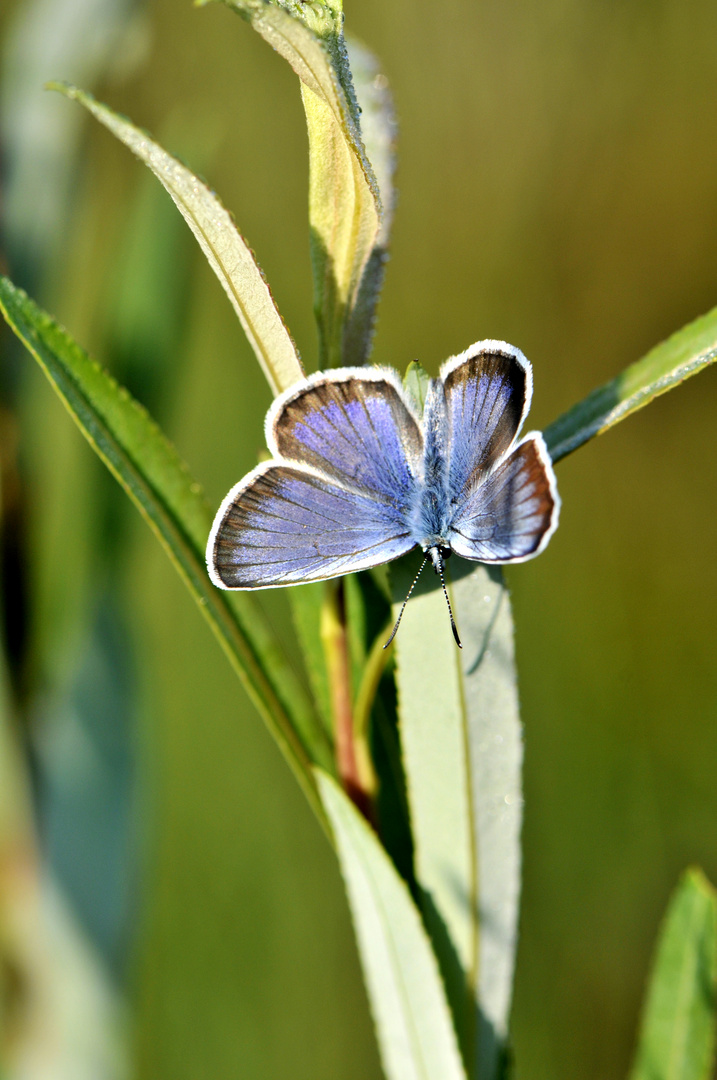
(446, 553)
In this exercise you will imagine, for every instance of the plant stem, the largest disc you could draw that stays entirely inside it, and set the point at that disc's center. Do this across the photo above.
(334, 636)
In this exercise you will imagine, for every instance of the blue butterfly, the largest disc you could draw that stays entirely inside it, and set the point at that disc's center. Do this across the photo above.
(358, 477)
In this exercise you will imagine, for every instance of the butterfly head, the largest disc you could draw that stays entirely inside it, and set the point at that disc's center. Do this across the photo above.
(438, 554)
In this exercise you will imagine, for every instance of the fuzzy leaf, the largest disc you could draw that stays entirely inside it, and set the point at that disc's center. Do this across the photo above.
(380, 132)
(461, 738)
(228, 254)
(415, 1034)
(344, 200)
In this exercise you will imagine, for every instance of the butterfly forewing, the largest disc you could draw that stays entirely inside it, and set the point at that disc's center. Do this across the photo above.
(356, 430)
(514, 512)
(487, 396)
(284, 525)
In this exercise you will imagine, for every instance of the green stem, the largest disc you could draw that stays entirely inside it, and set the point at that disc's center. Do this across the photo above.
(372, 672)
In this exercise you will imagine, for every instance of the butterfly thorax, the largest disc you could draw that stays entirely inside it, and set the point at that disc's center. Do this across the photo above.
(430, 519)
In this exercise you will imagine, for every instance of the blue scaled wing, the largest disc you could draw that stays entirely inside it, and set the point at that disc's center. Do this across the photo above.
(511, 514)
(487, 392)
(338, 497)
(285, 524)
(355, 426)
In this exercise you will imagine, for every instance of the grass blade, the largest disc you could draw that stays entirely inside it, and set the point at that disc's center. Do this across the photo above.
(677, 1037)
(147, 467)
(228, 254)
(461, 738)
(668, 364)
(413, 1023)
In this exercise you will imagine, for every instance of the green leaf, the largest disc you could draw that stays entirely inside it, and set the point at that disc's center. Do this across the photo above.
(677, 1036)
(344, 200)
(380, 131)
(415, 1034)
(416, 382)
(668, 364)
(306, 603)
(379, 128)
(228, 254)
(147, 467)
(461, 739)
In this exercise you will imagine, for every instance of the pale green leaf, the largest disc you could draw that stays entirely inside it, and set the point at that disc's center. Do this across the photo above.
(677, 1036)
(228, 254)
(415, 1033)
(416, 382)
(147, 467)
(668, 364)
(461, 739)
(379, 128)
(380, 131)
(344, 200)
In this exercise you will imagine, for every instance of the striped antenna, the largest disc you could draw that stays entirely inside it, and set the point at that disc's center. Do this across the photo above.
(437, 559)
(439, 567)
(403, 606)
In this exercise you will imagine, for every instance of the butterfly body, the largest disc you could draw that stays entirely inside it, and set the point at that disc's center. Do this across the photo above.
(358, 477)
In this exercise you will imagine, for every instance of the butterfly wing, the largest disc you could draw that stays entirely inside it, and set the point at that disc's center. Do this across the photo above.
(338, 499)
(510, 515)
(284, 525)
(354, 426)
(487, 393)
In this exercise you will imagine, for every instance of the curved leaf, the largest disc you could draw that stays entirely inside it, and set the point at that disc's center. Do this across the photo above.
(668, 364)
(461, 738)
(380, 131)
(677, 1038)
(344, 200)
(147, 467)
(413, 1023)
(228, 254)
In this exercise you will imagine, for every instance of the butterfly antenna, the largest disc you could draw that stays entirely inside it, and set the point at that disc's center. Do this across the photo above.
(403, 606)
(454, 628)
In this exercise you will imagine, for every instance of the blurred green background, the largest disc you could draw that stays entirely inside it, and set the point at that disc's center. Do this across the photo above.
(558, 189)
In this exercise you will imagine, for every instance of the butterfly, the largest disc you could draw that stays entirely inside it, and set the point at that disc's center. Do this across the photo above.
(359, 477)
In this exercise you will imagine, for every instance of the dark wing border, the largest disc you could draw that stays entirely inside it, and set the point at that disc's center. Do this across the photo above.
(367, 374)
(547, 464)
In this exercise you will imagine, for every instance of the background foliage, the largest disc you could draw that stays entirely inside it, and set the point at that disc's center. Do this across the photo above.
(558, 182)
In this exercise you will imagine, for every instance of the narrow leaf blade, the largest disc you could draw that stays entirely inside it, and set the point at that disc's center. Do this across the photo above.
(148, 468)
(461, 737)
(677, 1037)
(227, 252)
(684, 354)
(306, 604)
(415, 1033)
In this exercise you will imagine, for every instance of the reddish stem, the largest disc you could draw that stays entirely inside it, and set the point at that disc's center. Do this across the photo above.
(338, 662)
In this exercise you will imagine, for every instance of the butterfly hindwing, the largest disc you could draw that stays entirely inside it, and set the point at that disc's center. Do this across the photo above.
(511, 515)
(285, 524)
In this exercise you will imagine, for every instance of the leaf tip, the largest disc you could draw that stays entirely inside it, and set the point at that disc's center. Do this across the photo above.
(62, 87)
